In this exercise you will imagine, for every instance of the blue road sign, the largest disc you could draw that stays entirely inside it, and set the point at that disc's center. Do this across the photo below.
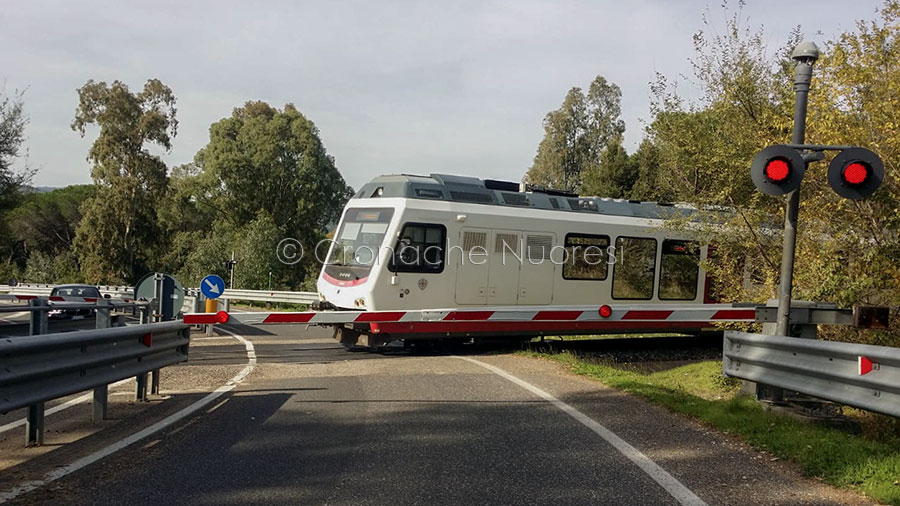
(212, 286)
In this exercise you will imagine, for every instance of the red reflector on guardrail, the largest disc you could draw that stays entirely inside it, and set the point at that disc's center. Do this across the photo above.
(147, 339)
(865, 365)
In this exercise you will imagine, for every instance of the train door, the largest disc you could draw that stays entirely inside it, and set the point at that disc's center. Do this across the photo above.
(505, 262)
(472, 267)
(537, 273)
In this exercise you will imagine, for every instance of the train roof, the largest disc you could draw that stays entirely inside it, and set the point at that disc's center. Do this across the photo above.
(472, 190)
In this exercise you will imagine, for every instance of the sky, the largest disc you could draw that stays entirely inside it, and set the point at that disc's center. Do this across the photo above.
(394, 86)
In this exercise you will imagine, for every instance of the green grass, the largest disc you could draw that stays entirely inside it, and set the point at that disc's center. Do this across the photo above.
(593, 337)
(699, 390)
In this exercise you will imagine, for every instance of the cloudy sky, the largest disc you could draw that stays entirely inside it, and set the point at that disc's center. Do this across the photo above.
(394, 86)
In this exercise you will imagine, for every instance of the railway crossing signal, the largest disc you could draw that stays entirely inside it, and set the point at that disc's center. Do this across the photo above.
(855, 173)
(777, 170)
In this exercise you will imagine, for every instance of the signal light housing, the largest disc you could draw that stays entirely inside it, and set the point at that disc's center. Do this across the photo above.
(855, 173)
(777, 170)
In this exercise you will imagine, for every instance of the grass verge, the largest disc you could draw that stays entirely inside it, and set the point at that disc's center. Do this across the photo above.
(699, 390)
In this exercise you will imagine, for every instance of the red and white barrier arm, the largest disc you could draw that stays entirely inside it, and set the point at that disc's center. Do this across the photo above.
(625, 313)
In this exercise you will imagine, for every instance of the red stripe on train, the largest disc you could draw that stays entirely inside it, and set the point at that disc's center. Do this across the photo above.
(380, 316)
(339, 282)
(557, 315)
(543, 327)
(650, 314)
(289, 317)
(468, 315)
(735, 314)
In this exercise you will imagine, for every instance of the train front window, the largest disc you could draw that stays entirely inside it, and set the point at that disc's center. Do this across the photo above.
(361, 236)
(420, 248)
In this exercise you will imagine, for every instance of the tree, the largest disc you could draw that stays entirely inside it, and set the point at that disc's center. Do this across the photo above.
(264, 174)
(12, 134)
(645, 163)
(847, 250)
(119, 235)
(576, 134)
(613, 176)
(46, 222)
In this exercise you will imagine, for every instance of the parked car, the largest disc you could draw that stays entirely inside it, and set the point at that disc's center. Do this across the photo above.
(60, 309)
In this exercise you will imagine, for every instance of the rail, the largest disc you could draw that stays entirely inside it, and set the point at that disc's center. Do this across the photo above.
(858, 375)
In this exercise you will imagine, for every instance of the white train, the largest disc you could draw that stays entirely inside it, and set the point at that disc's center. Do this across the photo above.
(410, 242)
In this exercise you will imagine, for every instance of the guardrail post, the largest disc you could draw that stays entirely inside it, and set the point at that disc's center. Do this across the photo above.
(104, 320)
(799, 328)
(226, 305)
(34, 422)
(141, 391)
(38, 321)
(154, 382)
(34, 425)
(101, 396)
(101, 393)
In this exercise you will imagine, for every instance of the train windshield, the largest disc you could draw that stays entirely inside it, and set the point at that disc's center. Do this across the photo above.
(360, 237)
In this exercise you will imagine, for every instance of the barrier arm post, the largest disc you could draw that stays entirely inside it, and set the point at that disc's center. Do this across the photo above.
(212, 306)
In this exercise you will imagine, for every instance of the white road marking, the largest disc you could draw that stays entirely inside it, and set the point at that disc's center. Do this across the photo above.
(217, 406)
(137, 436)
(675, 488)
(66, 405)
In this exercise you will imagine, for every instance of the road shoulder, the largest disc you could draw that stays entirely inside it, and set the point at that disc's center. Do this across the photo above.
(720, 468)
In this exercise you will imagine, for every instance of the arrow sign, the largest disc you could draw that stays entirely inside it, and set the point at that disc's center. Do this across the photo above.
(212, 286)
(865, 365)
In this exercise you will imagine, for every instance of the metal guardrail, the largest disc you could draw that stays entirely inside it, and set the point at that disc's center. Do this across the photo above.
(271, 296)
(40, 368)
(858, 375)
(44, 289)
(128, 291)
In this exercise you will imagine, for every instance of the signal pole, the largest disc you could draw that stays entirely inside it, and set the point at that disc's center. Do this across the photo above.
(805, 54)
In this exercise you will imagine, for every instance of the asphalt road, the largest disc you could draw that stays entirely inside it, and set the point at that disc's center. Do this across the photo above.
(314, 424)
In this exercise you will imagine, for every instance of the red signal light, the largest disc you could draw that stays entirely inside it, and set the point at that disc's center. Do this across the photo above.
(605, 311)
(777, 170)
(856, 173)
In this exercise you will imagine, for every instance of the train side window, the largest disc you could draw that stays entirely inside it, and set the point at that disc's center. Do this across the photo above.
(634, 269)
(420, 248)
(586, 257)
(679, 269)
